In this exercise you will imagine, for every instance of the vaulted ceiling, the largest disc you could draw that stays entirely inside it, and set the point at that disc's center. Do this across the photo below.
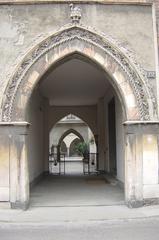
(74, 83)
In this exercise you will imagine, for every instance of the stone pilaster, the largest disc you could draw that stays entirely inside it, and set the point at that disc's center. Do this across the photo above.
(135, 133)
(18, 163)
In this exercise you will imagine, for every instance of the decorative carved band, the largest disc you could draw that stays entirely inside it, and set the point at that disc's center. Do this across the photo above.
(139, 83)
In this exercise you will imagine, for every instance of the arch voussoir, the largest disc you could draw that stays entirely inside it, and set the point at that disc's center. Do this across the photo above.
(76, 39)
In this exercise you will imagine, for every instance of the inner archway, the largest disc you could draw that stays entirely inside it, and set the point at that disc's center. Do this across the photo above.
(73, 151)
(76, 135)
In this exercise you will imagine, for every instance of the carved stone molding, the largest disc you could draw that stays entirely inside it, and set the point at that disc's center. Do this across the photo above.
(135, 74)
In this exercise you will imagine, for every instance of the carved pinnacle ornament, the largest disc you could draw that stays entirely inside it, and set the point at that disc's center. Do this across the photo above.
(75, 14)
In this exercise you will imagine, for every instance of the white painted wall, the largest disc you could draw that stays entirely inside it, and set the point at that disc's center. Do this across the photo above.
(119, 135)
(150, 159)
(36, 136)
(92, 144)
(69, 139)
(119, 141)
(4, 167)
(87, 113)
(101, 136)
(150, 166)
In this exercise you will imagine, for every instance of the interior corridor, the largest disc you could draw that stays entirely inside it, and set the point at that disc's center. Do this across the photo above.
(71, 190)
(76, 87)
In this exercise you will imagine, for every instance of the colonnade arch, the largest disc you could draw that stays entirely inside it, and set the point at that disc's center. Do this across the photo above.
(65, 134)
(68, 132)
(127, 80)
(63, 147)
(72, 149)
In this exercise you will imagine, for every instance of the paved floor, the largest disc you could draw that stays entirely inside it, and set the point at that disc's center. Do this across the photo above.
(76, 191)
(56, 215)
(68, 167)
(77, 207)
(114, 230)
(71, 167)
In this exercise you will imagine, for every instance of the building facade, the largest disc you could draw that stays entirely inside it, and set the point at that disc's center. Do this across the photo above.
(97, 60)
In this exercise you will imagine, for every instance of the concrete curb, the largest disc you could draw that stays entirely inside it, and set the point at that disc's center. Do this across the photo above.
(54, 216)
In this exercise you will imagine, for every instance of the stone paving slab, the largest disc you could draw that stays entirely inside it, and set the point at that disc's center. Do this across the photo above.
(54, 215)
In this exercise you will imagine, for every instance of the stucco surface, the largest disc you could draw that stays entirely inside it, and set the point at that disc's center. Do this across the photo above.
(22, 26)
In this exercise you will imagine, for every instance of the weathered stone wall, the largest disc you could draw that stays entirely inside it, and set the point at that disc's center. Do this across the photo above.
(22, 26)
(35, 116)
(4, 164)
(110, 163)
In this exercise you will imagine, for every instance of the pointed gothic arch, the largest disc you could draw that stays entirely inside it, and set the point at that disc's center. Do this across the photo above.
(68, 132)
(128, 80)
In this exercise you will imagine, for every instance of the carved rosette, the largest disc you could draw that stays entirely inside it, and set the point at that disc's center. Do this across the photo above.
(137, 81)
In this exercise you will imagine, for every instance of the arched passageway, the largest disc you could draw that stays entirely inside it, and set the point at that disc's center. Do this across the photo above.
(78, 137)
(77, 71)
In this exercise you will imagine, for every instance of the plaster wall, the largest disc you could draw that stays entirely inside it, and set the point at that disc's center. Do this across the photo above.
(13, 164)
(150, 166)
(101, 136)
(87, 113)
(4, 165)
(35, 117)
(119, 141)
(119, 136)
(69, 139)
(22, 26)
(92, 144)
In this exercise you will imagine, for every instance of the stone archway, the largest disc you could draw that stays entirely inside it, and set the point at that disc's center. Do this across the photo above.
(73, 144)
(68, 132)
(124, 74)
(129, 82)
(63, 148)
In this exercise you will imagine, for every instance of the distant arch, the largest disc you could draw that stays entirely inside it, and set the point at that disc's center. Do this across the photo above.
(71, 110)
(68, 132)
(63, 148)
(72, 150)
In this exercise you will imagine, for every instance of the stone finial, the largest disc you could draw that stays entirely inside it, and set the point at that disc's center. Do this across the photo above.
(75, 14)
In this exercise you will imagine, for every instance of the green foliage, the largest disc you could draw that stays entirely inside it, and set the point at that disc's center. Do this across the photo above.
(82, 148)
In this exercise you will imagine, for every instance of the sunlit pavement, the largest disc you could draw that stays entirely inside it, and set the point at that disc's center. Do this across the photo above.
(138, 229)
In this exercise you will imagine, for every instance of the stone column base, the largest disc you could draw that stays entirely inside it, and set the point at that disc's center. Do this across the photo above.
(19, 205)
(135, 203)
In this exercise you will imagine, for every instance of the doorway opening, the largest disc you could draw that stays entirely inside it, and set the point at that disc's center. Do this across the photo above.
(72, 96)
(78, 71)
(73, 149)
